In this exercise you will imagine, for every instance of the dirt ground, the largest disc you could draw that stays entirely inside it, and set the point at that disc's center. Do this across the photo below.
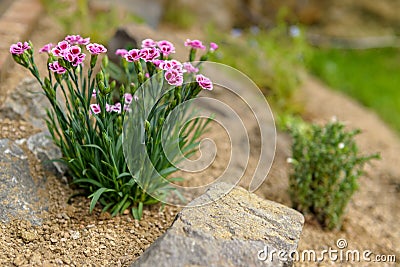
(70, 236)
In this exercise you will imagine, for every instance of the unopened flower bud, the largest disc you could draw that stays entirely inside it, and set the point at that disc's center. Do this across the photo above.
(102, 87)
(99, 77)
(122, 89)
(140, 77)
(138, 66)
(147, 126)
(290, 160)
(105, 61)
(204, 57)
(93, 60)
(47, 84)
(161, 121)
(132, 87)
(62, 63)
(112, 85)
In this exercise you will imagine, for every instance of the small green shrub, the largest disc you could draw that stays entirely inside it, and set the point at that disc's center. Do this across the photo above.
(327, 166)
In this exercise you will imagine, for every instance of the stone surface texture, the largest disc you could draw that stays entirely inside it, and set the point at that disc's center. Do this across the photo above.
(230, 231)
(27, 103)
(18, 189)
(46, 151)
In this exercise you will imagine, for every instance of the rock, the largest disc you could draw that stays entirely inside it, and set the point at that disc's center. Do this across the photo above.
(29, 236)
(236, 229)
(18, 190)
(36, 259)
(45, 150)
(121, 39)
(19, 260)
(26, 103)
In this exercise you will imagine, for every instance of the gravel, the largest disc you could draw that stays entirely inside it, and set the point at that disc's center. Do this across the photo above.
(69, 234)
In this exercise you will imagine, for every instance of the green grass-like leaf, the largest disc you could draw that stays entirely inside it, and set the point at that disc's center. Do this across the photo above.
(96, 195)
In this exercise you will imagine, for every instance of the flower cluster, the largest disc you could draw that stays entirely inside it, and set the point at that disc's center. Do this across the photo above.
(77, 39)
(87, 124)
(70, 49)
(157, 53)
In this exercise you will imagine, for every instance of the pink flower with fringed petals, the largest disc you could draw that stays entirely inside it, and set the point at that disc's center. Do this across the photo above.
(19, 48)
(57, 68)
(148, 43)
(166, 47)
(174, 77)
(46, 48)
(196, 44)
(132, 55)
(96, 49)
(204, 82)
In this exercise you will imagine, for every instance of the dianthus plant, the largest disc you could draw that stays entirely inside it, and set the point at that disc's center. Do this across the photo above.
(103, 125)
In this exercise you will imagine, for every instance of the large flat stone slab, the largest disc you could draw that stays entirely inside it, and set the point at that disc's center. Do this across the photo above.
(18, 191)
(232, 229)
(27, 103)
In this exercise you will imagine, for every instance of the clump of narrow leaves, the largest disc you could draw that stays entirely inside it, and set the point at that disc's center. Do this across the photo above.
(96, 120)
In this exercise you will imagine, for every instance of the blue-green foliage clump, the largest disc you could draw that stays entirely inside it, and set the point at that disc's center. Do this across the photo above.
(326, 169)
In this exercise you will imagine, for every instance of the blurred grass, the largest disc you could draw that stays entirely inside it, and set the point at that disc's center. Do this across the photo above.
(272, 59)
(78, 17)
(177, 15)
(370, 76)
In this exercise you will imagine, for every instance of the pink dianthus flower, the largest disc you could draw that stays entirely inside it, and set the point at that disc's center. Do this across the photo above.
(46, 48)
(148, 43)
(19, 48)
(190, 68)
(57, 68)
(204, 82)
(213, 47)
(174, 77)
(95, 108)
(132, 55)
(166, 47)
(196, 44)
(121, 52)
(96, 49)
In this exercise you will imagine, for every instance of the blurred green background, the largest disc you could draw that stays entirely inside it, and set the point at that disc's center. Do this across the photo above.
(336, 40)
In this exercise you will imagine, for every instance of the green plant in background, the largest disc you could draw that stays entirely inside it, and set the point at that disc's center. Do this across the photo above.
(87, 122)
(178, 15)
(326, 168)
(371, 76)
(77, 16)
(273, 59)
